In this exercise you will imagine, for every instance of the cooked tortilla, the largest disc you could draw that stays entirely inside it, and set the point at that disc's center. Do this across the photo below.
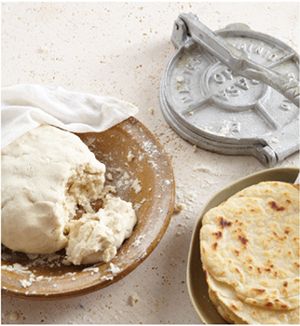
(232, 309)
(250, 244)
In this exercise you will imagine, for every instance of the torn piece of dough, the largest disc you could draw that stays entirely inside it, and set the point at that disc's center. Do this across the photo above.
(97, 236)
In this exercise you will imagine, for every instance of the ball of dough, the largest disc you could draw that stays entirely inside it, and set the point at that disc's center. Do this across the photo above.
(46, 174)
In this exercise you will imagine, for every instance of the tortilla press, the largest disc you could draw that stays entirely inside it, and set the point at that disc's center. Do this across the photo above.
(233, 92)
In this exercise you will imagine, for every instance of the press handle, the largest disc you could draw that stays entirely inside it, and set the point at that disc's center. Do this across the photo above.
(235, 59)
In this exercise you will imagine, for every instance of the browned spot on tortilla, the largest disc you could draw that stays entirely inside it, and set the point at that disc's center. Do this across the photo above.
(243, 240)
(297, 264)
(284, 306)
(278, 237)
(285, 284)
(218, 234)
(236, 252)
(288, 201)
(269, 304)
(259, 290)
(214, 245)
(274, 206)
(287, 230)
(268, 269)
(250, 267)
(233, 307)
(223, 223)
(259, 270)
(237, 270)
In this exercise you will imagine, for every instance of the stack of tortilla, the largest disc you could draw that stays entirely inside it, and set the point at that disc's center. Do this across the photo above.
(250, 253)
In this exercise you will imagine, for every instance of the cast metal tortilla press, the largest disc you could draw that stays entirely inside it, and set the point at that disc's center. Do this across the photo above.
(233, 92)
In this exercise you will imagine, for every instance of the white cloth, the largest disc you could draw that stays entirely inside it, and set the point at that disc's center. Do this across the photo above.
(26, 106)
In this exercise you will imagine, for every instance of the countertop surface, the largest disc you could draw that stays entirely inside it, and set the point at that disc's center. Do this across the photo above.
(121, 49)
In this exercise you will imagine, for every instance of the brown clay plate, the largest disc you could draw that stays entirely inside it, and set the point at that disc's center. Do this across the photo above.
(154, 205)
(196, 282)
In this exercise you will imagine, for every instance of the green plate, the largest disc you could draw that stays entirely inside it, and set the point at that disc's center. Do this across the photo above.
(196, 282)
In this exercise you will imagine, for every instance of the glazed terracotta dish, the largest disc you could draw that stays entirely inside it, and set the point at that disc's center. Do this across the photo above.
(154, 205)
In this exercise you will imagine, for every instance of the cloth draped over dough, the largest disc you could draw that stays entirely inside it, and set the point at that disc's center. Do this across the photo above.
(27, 106)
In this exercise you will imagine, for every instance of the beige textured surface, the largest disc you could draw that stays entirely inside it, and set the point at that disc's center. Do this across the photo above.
(121, 50)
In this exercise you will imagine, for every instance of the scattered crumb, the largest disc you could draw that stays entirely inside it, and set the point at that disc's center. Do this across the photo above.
(13, 316)
(138, 241)
(137, 206)
(136, 186)
(195, 148)
(179, 207)
(133, 299)
(178, 233)
(39, 278)
(16, 268)
(151, 111)
(114, 269)
(109, 176)
(92, 270)
(25, 283)
(42, 50)
(123, 180)
(130, 156)
(107, 277)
